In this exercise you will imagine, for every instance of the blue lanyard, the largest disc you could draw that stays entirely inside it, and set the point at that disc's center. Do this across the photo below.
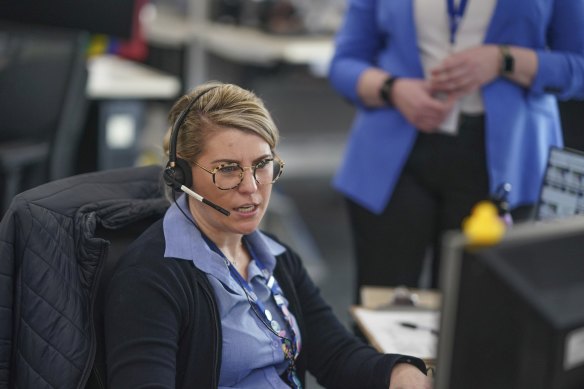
(290, 344)
(454, 16)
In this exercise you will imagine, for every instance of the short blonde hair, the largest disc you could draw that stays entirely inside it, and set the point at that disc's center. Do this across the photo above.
(223, 105)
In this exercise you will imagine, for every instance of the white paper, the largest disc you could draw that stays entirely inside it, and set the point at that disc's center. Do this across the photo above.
(392, 337)
(450, 125)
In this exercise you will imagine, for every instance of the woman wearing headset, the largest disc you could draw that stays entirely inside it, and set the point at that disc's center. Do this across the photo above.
(203, 299)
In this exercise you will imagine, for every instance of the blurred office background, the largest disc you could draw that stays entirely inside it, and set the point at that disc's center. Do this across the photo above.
(87, 87)
(102, 76)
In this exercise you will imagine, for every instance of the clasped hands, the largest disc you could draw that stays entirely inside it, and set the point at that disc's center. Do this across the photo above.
(427, 103)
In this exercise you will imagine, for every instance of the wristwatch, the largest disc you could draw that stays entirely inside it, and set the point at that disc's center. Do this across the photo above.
(508, 62)
(385, 91)
(420, 364)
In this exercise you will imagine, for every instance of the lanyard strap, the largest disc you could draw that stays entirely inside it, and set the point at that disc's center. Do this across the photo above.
(454, 16)
(290, 344)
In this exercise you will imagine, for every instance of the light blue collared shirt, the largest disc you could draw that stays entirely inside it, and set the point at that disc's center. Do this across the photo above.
(252, 355)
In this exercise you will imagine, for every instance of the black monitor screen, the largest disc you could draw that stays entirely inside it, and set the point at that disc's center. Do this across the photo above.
(110, 17)
(513, 313)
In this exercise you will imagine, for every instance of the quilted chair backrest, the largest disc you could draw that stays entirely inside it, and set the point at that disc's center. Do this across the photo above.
(56, 241)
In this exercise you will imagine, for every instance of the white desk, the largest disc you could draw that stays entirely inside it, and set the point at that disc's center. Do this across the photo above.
(113, 77)
(380, 322)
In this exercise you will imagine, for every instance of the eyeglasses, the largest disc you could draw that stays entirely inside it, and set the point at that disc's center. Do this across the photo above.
(229, 175)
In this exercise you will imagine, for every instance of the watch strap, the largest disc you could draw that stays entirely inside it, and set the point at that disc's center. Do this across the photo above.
(385, 91)
(507, 61)
(417, 362)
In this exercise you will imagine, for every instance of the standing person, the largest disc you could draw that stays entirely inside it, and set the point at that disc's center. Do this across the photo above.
(204, 299)
(454, 99)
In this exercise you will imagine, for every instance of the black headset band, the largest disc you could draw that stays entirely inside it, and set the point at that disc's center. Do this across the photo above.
(177, 125)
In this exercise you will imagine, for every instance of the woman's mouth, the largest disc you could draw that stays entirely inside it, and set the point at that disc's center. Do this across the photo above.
(246, 208)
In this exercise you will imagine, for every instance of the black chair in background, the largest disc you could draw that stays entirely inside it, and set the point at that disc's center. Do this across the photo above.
(59, 243)
(43, 76)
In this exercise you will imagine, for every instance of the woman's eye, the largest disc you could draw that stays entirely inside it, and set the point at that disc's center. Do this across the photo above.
(263, 164)
(229, 169)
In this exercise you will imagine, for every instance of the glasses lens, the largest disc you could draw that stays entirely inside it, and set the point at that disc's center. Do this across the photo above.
(228, 176)
(267, 171)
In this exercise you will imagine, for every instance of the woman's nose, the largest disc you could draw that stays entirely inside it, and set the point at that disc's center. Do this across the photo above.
(248, 181)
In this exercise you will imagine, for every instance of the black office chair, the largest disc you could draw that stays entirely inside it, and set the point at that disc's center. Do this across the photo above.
(58, 245)
(43, 76)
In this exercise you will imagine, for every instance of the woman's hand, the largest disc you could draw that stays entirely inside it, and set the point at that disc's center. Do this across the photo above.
(466, 71)
(411, 96)
(406, 376)
(414, 99)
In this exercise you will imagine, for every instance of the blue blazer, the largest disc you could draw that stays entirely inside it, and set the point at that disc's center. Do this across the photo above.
(521, 124)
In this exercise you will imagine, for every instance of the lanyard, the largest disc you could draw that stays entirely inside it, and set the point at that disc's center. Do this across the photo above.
(290, 344)
(454, 16)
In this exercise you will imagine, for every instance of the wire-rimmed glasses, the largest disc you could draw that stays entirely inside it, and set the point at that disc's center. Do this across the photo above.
(230, 174)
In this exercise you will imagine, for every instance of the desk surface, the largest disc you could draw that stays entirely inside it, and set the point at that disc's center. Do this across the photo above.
(374, 297)
(112, 77)
(381, 322)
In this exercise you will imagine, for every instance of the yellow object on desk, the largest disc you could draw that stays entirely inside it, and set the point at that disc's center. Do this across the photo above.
(484, 226)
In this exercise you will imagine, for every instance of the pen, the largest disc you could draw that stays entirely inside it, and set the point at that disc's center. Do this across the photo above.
(418, 327)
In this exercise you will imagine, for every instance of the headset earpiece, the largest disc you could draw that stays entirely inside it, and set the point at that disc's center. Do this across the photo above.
(178, 171)
(178, 175)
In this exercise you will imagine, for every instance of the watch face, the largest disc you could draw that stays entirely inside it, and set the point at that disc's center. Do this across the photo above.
(508, 64)
(508, 60)
(385, 91)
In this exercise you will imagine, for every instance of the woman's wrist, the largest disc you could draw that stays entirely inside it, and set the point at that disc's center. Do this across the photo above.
(507, 62)
(369, 84)
(407, 374)
(386, 91)
(518, 64)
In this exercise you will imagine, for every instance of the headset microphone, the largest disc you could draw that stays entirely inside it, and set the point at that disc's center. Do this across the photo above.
(203, 200)
(180, 187)
(177, 173)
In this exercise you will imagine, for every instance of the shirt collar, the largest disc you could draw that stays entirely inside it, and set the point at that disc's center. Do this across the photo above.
(184, 241)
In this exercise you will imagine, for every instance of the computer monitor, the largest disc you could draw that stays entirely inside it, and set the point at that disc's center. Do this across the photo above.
(512, 315)
(562, 188)
(109, 17)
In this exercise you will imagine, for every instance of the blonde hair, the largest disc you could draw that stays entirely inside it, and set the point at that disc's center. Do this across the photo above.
(224, 105)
